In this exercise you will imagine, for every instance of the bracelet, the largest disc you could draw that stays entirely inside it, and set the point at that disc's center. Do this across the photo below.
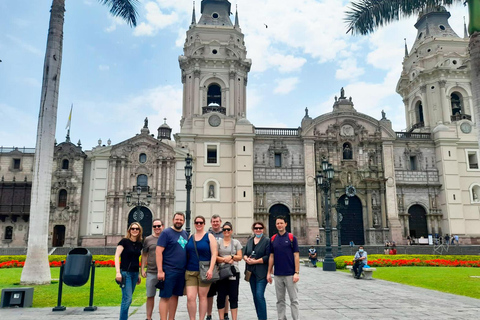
(297, 272)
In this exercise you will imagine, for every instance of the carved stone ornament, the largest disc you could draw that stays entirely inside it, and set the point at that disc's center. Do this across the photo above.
(347, 131)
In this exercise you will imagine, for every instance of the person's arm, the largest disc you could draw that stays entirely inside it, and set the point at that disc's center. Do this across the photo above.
(296, 275)
(159, 260)
(144, 262)
(214, 252)
(118, 252)
(270, 268)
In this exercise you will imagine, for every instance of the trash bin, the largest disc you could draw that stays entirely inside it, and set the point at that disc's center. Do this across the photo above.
(77, 267)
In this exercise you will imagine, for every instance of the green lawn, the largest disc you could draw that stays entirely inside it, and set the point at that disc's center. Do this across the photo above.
(445, 279)
(106, 292)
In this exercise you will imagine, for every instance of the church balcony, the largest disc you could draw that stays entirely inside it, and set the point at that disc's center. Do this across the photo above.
(22, 150)
(413, 135)
(214, 108)
(277, 131)
(460, 116)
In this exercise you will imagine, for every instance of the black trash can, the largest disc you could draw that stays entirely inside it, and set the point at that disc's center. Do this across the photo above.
(77, 267)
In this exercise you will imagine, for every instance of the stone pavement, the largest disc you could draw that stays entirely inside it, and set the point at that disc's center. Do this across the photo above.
(323, 295)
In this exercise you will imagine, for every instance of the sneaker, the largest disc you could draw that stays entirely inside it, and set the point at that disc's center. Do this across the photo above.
(208, 317)
(226, 317)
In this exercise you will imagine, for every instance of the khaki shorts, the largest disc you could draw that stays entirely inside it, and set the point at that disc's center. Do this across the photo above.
(192, 279)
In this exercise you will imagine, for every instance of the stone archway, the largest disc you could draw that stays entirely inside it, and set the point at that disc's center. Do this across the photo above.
(274, 212)
(352, 223)
(417, 221)
(58, 238)
(142, 215)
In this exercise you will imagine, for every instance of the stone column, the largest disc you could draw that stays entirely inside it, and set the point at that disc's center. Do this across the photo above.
(196, 93)
(310, 191)
(444, 105)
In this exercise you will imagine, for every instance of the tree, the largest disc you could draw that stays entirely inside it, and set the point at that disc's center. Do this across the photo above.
(364, 16)
(36, 269)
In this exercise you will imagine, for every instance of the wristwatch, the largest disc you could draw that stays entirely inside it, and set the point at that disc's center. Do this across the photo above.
(297, 273)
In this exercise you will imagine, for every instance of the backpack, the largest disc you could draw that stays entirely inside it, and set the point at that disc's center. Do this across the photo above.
(290, 237)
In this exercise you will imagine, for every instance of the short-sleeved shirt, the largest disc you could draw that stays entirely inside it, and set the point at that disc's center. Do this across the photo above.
(174, 253)
(150, 247)
(217, 235)
(282, 249)
(204, 252)
(129, 258)
(359, 254)
(232, 248)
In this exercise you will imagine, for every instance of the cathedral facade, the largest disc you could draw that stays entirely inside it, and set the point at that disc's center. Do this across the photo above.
(415, 183)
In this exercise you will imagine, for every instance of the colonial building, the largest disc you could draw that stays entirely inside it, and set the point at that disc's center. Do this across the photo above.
(418, 182)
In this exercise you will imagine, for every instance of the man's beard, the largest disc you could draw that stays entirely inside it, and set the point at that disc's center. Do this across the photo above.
(178, 226)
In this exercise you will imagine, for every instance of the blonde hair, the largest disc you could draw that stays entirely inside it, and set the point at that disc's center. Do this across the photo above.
(128, 235)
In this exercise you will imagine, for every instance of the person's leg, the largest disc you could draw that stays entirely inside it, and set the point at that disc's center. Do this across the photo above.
(150, 282)
(172, 307)
(222, 286)
(149, 305)
(293, 295)
(253, 288)
(280, 289)
(227, 305)
(202, 301)
(163, 308)
(260, 297)
(355, 269)
(233, 295)
(211, 293)
(360, 269)
(131, 279)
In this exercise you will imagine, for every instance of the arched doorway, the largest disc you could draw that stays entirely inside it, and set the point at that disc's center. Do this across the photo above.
(142, 215)
(352, 223)
(58, 238)
(275, 211)
(417, 221)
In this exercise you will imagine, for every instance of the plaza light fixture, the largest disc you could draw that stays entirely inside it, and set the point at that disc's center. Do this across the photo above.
(188, 187)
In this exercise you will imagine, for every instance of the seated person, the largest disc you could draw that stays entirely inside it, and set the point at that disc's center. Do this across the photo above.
(312, 255)
(359, 262)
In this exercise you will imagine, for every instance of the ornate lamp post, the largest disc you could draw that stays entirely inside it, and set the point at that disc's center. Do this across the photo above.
(138, 201)
(188, 187)
(324, 183)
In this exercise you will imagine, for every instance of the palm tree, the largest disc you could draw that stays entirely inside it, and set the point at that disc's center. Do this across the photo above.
(364, 16)
(36, 270)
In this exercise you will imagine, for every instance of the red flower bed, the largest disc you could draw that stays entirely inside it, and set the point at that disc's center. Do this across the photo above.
(419, 263)
(20, 264)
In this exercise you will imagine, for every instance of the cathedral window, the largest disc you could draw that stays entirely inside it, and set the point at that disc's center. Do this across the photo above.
(8, 233)
(419, 113)
(142, 158)
(65, 164)
(142, 180)
(413, 163)
(214, 94)
(16, 164)
(62, 198)
(472, 160)
(347, 151)
(456, 103)
(278, 160)
(212, 154)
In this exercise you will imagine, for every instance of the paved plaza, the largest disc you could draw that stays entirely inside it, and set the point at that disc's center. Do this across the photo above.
(323, 295)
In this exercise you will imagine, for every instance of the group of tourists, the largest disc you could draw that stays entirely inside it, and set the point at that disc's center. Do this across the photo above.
(205, 264)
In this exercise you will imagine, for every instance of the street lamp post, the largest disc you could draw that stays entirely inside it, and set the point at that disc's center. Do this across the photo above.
(188, 187)
(340, 207)
(324, 183)
(139, 202)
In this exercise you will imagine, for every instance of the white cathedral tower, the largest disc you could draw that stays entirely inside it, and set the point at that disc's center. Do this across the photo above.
(214, 128)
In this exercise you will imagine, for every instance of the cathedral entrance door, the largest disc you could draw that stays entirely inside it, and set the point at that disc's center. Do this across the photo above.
(352, 223)
(58, 238)
(275, 211)
(142, 215)
(417, 222)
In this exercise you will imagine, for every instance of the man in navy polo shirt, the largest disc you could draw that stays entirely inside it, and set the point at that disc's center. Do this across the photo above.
(285, 261)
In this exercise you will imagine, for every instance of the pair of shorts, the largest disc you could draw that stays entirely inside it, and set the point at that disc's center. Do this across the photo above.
(213, 290)
(150, 283)
(192, 279)
(174, 285)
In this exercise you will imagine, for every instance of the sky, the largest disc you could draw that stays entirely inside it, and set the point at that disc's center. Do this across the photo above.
(115, 75)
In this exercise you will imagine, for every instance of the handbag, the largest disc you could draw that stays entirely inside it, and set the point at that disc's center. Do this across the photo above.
(225, 271)
(203, 267)
(248, 274)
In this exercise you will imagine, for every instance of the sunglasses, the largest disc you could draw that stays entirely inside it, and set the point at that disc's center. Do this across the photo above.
(258, 228)
(199, 222)
(226, 229)
(135, 229)
(158, 226)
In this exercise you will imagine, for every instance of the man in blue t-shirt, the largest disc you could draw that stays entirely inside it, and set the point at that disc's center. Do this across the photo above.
(285, 261)
(171, 265)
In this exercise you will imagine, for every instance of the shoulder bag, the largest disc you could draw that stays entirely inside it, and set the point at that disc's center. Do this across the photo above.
(203, 267)
(227, 270)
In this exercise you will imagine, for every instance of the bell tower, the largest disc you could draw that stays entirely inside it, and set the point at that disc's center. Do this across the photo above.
(214, 128)
(435, 81)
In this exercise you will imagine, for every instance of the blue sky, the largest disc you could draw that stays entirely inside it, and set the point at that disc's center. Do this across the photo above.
(116, 76)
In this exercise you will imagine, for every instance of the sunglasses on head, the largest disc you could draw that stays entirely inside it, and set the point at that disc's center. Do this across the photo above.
(157, 226)
(135, 228)
(199, 222)
(226, 229)
(258, 228)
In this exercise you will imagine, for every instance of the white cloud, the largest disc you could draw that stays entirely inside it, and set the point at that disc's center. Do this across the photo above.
(103, 67)
(286, 85)
(349, 70)
(156, 20)
(286, 63)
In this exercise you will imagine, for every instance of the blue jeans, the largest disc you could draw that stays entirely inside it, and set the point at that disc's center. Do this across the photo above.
(258, 292)
(131, 279)
(358, 268)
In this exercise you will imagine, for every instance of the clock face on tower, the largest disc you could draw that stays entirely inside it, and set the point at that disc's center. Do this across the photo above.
(214, 120)
(466, 127)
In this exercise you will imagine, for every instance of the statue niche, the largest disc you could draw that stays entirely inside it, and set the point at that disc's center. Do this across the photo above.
(347, 151)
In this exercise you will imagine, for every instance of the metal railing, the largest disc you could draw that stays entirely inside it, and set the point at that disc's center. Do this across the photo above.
(458, 117)
(413, 135)
(22, 150)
